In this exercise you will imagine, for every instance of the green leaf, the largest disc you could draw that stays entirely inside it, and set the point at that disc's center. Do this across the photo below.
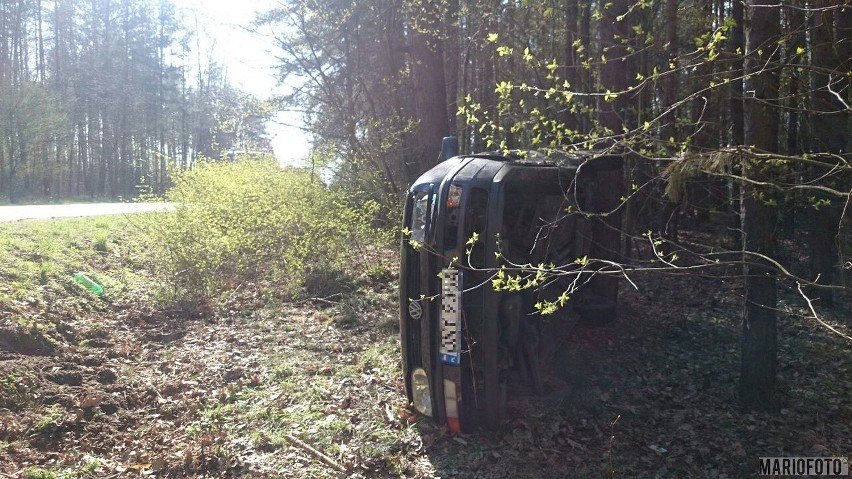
(504, 51)
(552, 66)
(503, 88)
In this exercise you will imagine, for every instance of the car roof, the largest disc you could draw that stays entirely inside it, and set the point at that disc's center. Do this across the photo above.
(484, 167)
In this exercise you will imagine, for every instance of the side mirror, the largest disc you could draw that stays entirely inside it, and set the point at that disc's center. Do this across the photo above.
(449, 147)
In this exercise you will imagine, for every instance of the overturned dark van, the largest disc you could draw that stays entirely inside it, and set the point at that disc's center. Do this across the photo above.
(463, 341)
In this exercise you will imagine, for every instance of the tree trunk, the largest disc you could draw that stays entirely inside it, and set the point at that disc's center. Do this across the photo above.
(5, 58)
(572, 11)
(759, 341)
(615, 77)
(41, 62)
(828, 135)
(430, 88)
(451, 64)
(735, 45)
(843, 46)
(613, 30)
(669, 132)
(584, 76)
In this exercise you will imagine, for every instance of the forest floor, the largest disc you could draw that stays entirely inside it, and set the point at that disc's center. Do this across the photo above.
(255, 386)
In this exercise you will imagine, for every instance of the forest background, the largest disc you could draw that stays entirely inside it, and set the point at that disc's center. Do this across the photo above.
(733, 114)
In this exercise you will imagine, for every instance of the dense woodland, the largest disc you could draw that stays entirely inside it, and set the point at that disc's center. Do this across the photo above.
(732, 114)
(662, 79)
(735, 114)
(254, 330)
(97, 96)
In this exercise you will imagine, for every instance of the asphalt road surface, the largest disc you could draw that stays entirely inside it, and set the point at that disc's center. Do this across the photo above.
(41, 212)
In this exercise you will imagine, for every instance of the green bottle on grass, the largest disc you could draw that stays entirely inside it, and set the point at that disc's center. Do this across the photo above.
(89, 284)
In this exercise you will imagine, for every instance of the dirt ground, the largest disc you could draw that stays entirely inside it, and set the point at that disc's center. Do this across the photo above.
(255, 387)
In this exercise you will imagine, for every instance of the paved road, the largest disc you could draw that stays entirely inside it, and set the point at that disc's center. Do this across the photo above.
(30, 212)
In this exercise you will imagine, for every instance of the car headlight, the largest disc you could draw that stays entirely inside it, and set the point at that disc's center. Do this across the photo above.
(420, 392)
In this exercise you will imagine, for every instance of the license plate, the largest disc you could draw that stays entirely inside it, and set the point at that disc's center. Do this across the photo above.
(450, 315)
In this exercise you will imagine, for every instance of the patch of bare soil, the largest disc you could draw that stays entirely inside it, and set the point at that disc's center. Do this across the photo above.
(253, 390)
(210, 394)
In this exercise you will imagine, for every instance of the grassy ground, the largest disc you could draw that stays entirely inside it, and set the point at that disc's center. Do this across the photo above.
(252, 384)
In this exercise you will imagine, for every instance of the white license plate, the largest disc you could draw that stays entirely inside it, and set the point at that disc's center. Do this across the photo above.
(450, 315)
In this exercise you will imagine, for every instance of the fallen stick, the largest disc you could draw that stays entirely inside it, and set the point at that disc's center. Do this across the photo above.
(327, 460)
(816, 316)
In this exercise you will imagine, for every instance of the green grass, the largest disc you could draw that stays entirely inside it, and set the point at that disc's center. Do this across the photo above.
(39, 299)
(38, 473)
(41, 257)
(17, 388)
(49, 419)
(337, 406)
(90, 467)
(384, 357)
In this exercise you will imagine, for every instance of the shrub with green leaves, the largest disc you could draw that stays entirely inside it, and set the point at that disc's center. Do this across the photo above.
(253, 220)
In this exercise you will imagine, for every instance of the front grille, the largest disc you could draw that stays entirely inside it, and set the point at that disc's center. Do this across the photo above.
(413, 325)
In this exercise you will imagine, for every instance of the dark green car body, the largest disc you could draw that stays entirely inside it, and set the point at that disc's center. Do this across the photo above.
(462, 340)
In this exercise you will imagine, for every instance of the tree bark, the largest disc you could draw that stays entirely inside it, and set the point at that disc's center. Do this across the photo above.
(612, 114)
(759, 336)
(572, 11)
(669, 132)
(41, 61)
(828, 135)
(451, 64)
(430, 87)
(614, 28)
(735, 46)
